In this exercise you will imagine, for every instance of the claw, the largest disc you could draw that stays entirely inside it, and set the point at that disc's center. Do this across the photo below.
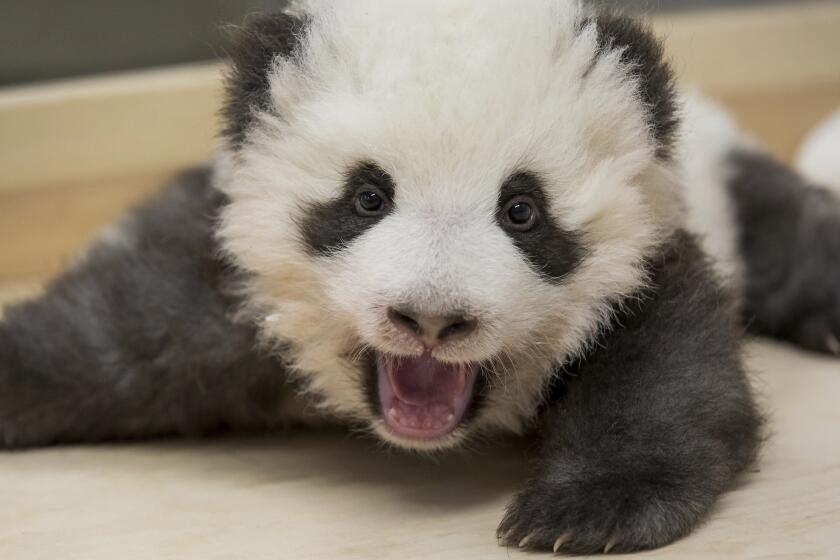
(833, 344)
(610, 544)
(524, 542)
(508, 535)
(561, 540)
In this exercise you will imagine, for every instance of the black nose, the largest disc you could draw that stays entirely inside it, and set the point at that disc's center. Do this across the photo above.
(432, 329)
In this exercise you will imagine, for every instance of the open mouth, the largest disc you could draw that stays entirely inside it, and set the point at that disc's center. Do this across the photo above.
(422, 398)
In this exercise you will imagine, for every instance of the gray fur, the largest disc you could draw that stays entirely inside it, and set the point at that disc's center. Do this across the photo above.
(789, 242)
(138, 339)
(651, 427)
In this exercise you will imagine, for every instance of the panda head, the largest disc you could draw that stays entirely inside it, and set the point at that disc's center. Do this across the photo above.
(438, 202)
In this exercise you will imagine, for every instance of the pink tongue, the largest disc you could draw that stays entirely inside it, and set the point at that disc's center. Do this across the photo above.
(424, 380)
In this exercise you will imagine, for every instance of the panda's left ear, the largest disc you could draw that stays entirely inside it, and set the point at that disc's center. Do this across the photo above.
(254, 49)
(643, 55)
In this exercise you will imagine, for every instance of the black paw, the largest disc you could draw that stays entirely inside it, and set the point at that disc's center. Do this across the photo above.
(791, 247)
(612, 513)
(804, 307)
(809, 304)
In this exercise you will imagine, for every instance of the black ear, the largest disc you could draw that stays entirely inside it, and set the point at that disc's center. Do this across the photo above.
(253, 50)
(643, 54)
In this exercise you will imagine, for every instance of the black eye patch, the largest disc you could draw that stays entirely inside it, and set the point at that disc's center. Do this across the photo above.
(552, 251)
(330, 226)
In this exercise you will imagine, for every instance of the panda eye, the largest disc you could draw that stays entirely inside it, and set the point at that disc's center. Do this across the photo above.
(370, 201)
(520, 213)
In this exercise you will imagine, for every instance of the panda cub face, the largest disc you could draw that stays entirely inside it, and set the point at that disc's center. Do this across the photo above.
(439, 202)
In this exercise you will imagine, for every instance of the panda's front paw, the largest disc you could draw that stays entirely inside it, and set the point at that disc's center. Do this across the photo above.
(610, 513)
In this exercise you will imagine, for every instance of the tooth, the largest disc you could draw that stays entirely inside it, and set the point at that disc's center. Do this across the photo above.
(610, 544)
(450, 417)
(392, 412)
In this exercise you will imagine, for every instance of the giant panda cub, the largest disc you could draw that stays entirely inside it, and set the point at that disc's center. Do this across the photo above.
(439, 220)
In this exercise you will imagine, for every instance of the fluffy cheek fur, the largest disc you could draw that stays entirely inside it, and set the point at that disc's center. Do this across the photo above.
(438, 251)
(437, 256)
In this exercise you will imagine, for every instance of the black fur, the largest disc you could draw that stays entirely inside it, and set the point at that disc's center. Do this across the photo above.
(655, 424)
(789, 241)
(137, 339)
(643, 53)
(264, 38)
(551, 250)
(330, 226)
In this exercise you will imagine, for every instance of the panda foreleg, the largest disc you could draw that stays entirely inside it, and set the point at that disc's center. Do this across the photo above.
(652, 428)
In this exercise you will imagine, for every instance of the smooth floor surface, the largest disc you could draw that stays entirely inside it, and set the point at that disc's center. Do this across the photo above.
(304, 495)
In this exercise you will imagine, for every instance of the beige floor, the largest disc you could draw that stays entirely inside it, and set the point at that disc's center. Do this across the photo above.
(307, 495)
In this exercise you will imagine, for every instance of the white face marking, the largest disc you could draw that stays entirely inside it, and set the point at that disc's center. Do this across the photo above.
(431, 93)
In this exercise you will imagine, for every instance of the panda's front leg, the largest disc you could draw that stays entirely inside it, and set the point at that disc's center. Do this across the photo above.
(653, 427)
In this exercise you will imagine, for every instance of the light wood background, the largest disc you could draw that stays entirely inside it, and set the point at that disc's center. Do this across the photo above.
(74, 154)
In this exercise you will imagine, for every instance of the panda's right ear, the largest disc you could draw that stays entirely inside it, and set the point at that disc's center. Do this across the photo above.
(253, 50)
(644, 60)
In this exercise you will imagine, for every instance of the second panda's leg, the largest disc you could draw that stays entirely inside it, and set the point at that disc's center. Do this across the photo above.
(138, 338)
(774, 235)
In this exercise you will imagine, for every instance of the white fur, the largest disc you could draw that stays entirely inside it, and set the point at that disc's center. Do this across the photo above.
(819, 158)
(449, 97)
(710, 137)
